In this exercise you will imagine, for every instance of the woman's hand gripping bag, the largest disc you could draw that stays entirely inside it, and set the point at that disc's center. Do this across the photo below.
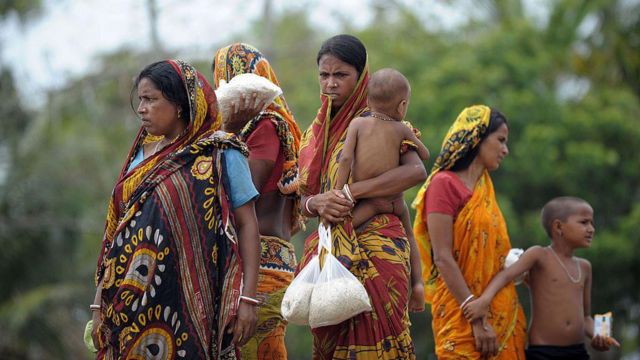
(297, 298)
(245, 85)
(338, 295)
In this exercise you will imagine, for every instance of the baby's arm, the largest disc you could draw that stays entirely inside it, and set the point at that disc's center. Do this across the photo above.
(598, 342)
(478, 308)
(422, 150)
(347, 155)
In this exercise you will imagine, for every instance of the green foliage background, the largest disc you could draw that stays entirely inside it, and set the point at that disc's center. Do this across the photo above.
(568, 81)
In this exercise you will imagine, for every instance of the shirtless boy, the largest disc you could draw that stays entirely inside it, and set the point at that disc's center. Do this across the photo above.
(372, 147)
(560, 285)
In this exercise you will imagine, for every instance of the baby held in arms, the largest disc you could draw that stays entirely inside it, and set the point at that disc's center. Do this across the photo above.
(560, 285)
(373, 146)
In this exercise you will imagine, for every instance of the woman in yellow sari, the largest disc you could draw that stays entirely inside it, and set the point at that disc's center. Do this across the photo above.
(463, 241)
(378, 254)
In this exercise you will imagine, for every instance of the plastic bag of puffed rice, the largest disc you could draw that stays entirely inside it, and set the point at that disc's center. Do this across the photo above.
(297, 298)
(337, 295)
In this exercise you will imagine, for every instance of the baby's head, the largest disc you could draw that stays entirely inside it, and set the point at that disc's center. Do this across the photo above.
(570, 220)
(389, 93)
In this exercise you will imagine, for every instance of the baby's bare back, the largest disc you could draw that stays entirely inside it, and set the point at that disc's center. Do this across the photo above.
(557, 303)
(377, 148)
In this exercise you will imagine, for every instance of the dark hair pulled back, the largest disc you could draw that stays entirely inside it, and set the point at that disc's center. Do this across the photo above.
(165, 77)
(347, 48)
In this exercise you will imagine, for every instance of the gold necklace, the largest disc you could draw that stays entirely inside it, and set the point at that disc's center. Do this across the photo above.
(381, 116)
(155, 149)
(575, 281)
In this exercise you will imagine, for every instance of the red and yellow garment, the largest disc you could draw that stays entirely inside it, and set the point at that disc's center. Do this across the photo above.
(277, 260)
(480, 246)
(378, 256)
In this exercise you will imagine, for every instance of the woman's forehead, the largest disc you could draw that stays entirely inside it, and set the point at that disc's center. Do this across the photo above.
(330, 62)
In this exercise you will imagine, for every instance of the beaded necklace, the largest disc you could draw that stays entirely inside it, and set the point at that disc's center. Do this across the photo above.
(381, 116)
(575, 281)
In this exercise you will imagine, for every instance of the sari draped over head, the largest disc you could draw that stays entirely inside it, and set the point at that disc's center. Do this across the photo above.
(378, 256)
(242, 58)
(169, 266)
(480, 246)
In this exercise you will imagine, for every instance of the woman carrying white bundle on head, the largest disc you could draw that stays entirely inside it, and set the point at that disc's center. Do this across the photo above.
(263, 121)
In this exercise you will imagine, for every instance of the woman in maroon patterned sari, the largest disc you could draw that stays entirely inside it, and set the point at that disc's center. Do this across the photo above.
(176, 277)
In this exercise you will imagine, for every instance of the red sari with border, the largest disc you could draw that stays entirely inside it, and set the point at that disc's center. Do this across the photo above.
(277, 259)
(378, 256)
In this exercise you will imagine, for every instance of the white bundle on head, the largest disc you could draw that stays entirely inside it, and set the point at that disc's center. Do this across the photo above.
(245, 84)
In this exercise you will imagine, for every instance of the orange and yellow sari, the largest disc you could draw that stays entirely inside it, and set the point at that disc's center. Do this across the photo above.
(480, 246)
(378, 256)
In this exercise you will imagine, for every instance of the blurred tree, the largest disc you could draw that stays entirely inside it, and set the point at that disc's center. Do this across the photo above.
(52, 208)
(24, 8)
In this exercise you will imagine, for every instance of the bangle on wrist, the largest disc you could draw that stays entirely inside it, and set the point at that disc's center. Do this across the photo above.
(347, 192)
(469, 298)
(250, 300)
(95, 307)
(306, 205)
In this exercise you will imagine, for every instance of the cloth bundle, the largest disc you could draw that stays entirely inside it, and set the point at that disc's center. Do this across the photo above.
(245, 84)
(513, 256)
(327, 297)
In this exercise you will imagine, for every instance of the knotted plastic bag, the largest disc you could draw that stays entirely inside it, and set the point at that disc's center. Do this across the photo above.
(337, 295)
(513, 256)
(297, 298)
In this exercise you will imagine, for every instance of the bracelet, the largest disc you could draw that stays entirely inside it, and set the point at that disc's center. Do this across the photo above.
(306, 205)
(469, 298)
(347, 192)
(250, 300)
(95, 307)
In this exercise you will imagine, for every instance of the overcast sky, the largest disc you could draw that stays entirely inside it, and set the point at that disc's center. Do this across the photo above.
(63, 42)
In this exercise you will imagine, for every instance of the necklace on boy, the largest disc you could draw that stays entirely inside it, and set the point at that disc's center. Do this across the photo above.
(575, 281)
(381, 116)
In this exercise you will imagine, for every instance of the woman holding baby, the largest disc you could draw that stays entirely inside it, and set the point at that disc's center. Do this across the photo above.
(378, 255)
